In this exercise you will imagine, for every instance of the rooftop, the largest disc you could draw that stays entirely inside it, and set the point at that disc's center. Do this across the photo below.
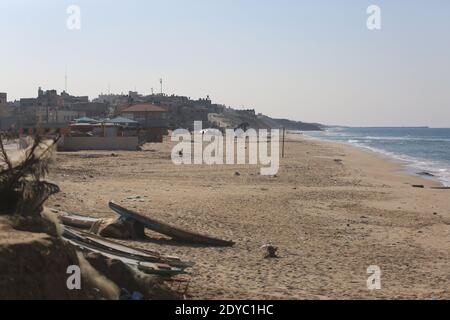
(85, 120)
(121, 120)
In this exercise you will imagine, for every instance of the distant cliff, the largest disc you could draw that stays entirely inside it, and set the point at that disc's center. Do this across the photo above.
(231, 118)
(291, 124)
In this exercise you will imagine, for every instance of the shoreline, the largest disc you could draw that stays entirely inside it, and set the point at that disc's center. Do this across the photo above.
(404, 166)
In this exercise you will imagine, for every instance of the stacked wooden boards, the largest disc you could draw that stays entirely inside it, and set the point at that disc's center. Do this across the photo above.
(143, 260)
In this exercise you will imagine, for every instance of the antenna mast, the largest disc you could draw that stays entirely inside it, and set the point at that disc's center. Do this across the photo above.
(65, 80)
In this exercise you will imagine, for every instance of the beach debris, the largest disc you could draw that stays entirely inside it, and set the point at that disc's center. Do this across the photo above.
(85, 244)
(237, 173)
(424, 173)
(338, 160)
(126, 276)
(418, 186)
(136, 198)
(126, 295)
(99, 243)
(124, 229)
(270, 251)
(168, 230)
(74, 220)
(441, 188)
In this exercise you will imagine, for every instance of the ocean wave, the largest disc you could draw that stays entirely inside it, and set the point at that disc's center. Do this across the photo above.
(428, 139)
(440, 169)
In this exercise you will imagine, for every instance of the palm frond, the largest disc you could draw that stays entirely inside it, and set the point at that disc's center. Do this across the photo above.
(21, 184)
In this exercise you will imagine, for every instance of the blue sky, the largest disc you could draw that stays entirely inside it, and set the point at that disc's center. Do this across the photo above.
(304, 60)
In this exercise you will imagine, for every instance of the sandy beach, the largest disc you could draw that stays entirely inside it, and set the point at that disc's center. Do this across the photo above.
(332, 210)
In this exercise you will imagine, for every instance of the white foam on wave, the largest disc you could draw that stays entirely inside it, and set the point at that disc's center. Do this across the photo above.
(407, 138)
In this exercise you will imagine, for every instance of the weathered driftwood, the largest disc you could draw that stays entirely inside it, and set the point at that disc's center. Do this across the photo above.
(168, 230)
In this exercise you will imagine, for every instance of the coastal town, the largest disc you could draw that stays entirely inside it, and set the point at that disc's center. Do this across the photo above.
(124, 121)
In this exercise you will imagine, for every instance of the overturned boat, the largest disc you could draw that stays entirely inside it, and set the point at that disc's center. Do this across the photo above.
(74, 220)
(92, 241)
(134, 262)
(170, 231)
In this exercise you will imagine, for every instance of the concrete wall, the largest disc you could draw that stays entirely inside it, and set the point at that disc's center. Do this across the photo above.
(98, 143)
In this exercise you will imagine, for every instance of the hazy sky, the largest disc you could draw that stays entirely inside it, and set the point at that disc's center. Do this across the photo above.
(306, 60)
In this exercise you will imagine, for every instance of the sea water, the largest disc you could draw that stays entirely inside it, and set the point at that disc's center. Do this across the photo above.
(419, 149)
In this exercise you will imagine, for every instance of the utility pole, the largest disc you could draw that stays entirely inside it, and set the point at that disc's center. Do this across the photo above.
(284, 135)
(65, 80)
(161, 83)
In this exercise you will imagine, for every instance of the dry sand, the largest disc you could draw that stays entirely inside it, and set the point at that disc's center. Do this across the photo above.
(330, 220)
